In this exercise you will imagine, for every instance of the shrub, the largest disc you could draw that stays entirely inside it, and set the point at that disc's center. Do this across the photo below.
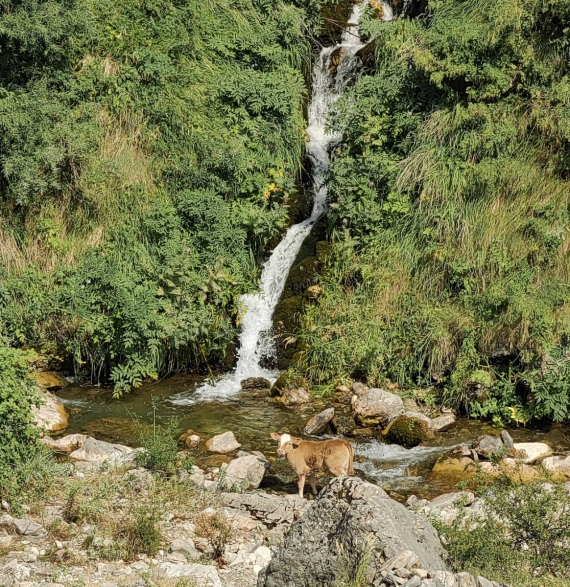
(524, 534)
(216, 530)
(18, 434)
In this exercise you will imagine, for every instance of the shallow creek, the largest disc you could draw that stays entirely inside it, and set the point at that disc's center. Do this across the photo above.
(252, 417)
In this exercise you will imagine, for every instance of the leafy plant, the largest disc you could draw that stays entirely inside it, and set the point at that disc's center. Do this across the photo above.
(216, 530)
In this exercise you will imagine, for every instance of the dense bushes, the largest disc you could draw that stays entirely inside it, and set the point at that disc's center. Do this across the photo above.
(450, 211)
(18, 435)
(148, 155)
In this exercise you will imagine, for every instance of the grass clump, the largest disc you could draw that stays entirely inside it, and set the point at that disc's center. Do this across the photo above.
(523, 535)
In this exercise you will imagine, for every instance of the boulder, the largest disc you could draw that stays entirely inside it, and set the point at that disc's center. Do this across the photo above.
(531, 452)
(377, 407)
(318, 423)
(272, 510)
(507, 439)
(97, 451)
(451, 469)
(558, 466)
(27, 527)
(186, 547)
(67, 443)
(293, 397)
(442, 423)
(410, 429)
(51, 414)
(222, 443)
(512, 469)
(255, 383)
(487, 446)
(350, 515)
(243, 473)
(50, 380)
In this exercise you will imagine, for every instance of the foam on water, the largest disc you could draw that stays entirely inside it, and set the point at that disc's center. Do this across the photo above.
(256, 343)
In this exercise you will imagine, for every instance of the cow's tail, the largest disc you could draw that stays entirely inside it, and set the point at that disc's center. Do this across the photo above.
(350, 459)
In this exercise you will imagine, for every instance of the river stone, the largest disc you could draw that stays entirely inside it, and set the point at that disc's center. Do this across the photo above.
(346, 516)
(377, 406)
(97, 451)
(192, 441)
(531, 452)
(359, 388)
(442, 423)
(51, 414)
(343, 424)
(487, 446)
(243, 473)
(559, 466)
(293, 397)
(410, 429)
(67, 443)
(507, 439)
(317, 423)
(222, 443)
(256, 383)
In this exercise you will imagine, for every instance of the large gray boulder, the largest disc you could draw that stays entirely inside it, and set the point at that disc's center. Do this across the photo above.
(243, 473)
(350, 521)
(377, 407)
(97, 451)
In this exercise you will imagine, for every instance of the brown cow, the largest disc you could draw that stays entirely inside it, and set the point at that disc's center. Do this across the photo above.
(334, 457)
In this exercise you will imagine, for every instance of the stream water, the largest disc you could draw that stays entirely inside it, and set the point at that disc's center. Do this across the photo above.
(252, 416)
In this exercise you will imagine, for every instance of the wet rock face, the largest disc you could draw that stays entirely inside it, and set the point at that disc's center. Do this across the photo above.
(377, 407)
(348, 514)
(51, 415)
(255, 383)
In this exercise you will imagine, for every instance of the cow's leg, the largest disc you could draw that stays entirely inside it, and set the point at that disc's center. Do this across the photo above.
(312, 481)
(301, 484)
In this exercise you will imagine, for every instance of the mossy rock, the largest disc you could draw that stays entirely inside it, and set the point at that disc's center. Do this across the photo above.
(302, 275)
(409, 429)
(287, 312)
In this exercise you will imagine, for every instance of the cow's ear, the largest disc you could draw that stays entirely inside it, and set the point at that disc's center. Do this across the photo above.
(275, 436)
(295, 442)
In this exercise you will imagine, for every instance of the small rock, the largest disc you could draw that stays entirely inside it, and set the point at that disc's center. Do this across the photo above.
(256, 383)
(105, 568)
(6, 581)
(559, 466)
(222, 443)
(343, 424)
(531, 452)
(507, 439)
(203, 575)
(377, 407)
(487, 446)
(465, 580)
(421, 573)
(359, 388)
(262, 556)
(192, 441)
(293, 397)
(317, 423)
(442, 423)
(444, 578)
(484, 582)
(414, 581)
(27, 527)
(5, 541)
(404, 560)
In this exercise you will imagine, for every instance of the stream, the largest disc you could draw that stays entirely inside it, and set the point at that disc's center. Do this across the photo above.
(252, 416)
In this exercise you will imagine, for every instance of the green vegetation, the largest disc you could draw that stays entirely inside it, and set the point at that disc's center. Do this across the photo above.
(18, 435)
(450, 212)
(148, 155)
(523, 537)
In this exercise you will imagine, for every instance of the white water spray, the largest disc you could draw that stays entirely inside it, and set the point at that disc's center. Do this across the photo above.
(334, 69)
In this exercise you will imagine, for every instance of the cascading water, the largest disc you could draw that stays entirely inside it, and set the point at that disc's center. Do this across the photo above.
(255, 342)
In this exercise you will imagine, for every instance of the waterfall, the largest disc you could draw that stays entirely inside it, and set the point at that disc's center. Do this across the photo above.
(334, 68)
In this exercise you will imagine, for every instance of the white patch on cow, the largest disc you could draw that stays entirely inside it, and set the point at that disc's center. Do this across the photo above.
(284, 439)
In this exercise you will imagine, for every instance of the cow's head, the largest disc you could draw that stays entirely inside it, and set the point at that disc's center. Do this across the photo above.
(286, 441)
